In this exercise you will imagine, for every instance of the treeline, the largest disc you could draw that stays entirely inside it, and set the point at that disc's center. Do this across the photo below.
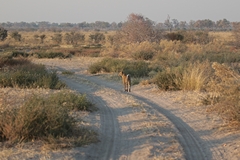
(47, 26)
(168, 24)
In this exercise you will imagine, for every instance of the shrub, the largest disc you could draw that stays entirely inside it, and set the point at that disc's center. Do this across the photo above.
(41, 118)
(224, 57)
(172, 47)
(21, 73)
(34, 120)
(16, 36)
(3, 34)
(174, 36)
(57, 38)
(95, 68)
(107, 65)
(67, 72)
(97, 38)
(135, 68)
(9, 61)
(168, 80)
(143, 55)
(196, 37)
(19, 54)
(52, 55)
(71, 101)
(225, 87)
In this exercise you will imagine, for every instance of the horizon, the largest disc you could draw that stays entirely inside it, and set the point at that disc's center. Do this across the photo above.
(77, 11)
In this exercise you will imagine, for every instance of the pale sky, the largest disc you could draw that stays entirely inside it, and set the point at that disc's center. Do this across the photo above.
(77, 11)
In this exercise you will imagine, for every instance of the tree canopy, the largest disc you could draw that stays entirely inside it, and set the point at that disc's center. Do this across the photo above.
(137, 29)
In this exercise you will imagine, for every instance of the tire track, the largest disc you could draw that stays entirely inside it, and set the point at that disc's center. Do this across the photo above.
(190, 142)
(193, 146)
(109, 128)
(209, 150)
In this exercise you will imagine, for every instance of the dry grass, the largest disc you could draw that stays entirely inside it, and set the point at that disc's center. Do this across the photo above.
(22, 115)
(195, 76)
(222, 36)
(224, 92)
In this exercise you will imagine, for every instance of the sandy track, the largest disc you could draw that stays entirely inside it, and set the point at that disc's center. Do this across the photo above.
(127, 128)
(189, 140)
(144, 124)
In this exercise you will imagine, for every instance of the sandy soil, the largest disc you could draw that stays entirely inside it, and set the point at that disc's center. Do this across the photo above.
(143, 124)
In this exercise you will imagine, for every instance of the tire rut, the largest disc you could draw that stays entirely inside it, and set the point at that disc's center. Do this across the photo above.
(108, 125)
(190, 142)
(194, 147)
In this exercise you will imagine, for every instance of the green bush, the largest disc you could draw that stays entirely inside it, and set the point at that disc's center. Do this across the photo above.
(134, 68)
(168, 80)
(18, 54)
(107, 65)
(52, 55)
(137, 69)
(23, 74)
(67, 72)
(71, 101)
(174, 36)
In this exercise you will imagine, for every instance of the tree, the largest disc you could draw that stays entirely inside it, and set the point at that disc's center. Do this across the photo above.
(42, 37)
(97, 37)
(204, 24)
(78, 37)
(57, 38)
(236, 33)
(74, 38)
(3, 34)
(168, 24)
(191, 25)
(137, 29)
(16, 36)
(175, 24)
(223, 24)
(183, 25)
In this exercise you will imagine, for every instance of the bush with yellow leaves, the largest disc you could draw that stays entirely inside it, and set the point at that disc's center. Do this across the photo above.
(224, 89)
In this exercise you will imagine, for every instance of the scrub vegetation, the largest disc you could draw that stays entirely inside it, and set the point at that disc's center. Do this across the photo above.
(190, 60)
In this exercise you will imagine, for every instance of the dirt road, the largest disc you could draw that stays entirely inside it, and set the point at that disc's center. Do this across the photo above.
(145, 124)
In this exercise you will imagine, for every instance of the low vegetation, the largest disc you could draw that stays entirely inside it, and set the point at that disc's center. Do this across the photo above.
(197, 60)
(224, 92)
(41, 118)
(24, 74)
(135, 68)
(47, 119)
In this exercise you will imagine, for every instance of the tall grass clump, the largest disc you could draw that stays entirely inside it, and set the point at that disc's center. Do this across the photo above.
(42, 118)
(23, 74)
(187, 76)
(195, 76)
